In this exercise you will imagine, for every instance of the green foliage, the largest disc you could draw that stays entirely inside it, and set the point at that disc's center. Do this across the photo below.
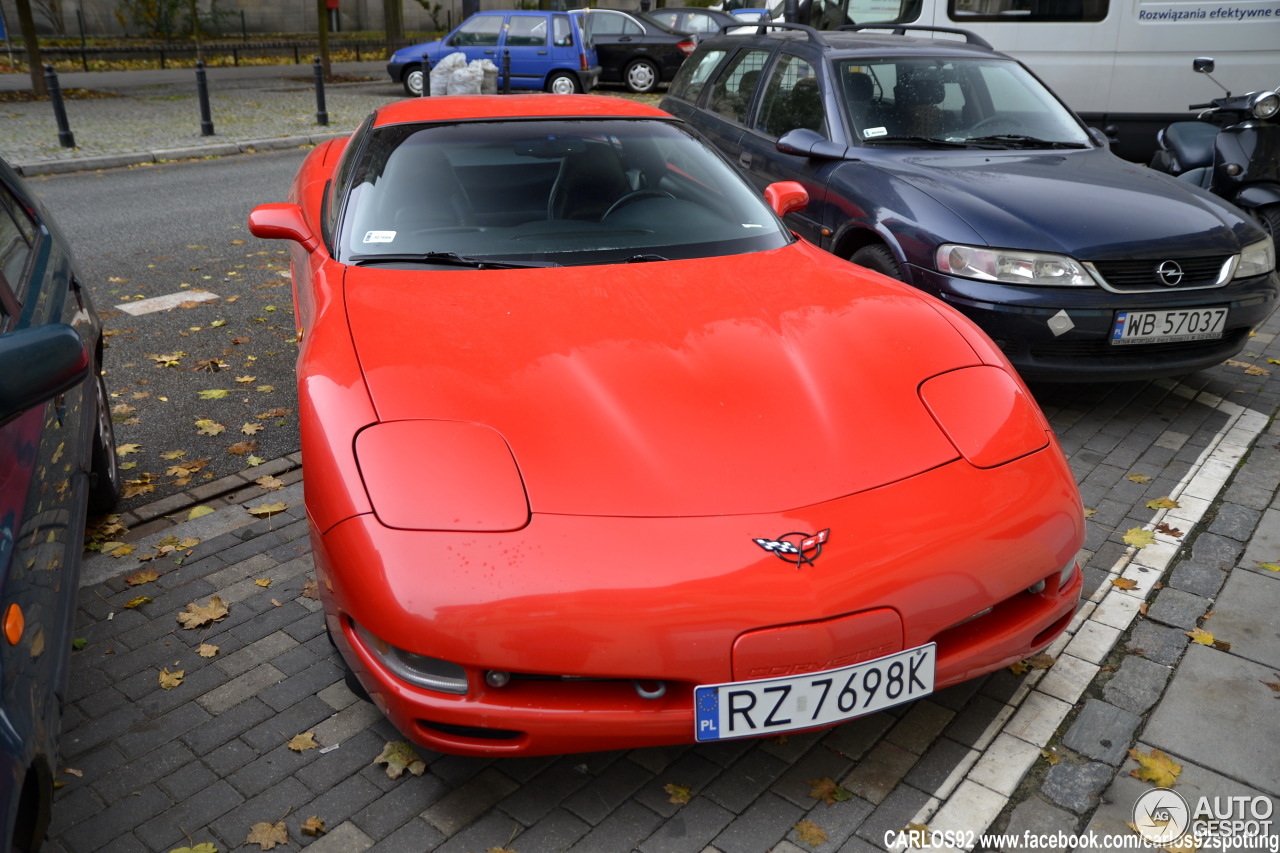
(171, 18)
(436, 11)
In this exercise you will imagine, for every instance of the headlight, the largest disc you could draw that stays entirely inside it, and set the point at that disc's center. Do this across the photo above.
(1266, 105)
(1012, 266)
(1257, 259)
(430, 673)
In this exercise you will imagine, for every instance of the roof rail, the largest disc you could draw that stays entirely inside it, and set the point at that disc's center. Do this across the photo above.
(765, 25)
(970, 37)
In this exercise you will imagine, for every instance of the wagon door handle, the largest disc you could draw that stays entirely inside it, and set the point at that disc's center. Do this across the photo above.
(542, 53)
(744, 159)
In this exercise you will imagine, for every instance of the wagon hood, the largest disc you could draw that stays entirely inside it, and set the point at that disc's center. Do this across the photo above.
(721, 386)
(1088, 204)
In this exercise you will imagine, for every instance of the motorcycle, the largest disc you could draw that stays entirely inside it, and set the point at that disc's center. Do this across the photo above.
(1232, 150)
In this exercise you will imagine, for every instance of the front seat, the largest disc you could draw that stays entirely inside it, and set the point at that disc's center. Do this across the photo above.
(590, 181)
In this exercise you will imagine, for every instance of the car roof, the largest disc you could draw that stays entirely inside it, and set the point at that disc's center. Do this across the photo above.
(462, 107)
(843, 44)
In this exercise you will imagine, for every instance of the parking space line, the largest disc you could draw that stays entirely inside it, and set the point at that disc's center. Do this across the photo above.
(166, 302)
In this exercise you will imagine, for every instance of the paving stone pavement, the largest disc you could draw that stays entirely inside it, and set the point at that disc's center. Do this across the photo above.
(1048, 751)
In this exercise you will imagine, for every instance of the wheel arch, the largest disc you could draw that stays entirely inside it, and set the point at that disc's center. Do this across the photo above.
(35, 805)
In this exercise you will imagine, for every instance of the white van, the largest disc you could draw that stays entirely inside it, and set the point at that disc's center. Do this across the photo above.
(1118, 63)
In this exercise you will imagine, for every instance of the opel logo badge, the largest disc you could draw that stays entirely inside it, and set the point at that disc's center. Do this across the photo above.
(1170, 273)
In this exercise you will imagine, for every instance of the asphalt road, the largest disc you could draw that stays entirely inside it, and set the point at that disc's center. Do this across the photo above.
(172, 231)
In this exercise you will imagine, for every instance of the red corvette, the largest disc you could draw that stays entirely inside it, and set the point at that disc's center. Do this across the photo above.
(599, 455)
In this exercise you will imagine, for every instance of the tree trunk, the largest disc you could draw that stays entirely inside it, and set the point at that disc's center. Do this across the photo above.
(393, 15)
(28, 26)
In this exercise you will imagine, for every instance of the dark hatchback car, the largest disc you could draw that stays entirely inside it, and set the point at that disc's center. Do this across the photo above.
(693, 20)
(949, 165)
(635, 50)
(57, 457)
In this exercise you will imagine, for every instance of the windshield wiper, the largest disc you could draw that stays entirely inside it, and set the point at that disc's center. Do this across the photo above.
(927, 140)
(452, 259)
(1027, 141)
(641, 259)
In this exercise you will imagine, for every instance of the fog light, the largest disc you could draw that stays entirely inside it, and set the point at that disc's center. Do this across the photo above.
(1036, 588)
(497, 678)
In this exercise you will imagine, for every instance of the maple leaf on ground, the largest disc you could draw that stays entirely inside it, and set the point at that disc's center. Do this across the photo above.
(137, 602)
(1050, 756)
(828, 791)
(399, 756)
(677, 795)
(252, 429)
(1155, 767)
(1124, 583)
(1163, 503)
(200, 512)
(126, 449)
(202, 847)
(270, 483)
(1090, 513)
(1164, 528)
(246, 380)
(139, 578)
(170, 680)
(1140, 479)
(1204, 638)
(266, 510)
(306, 740)
(810, 833)
(263, 582)
(1271, 567)
(1139, 538)
(311, 590)
(240, 448)
(213, 394)
(199, 615)
(207, 650)
(313, 826)
(205, 426)
(1274, 685)
(1041, 661)
(173, 454)
(1019, 668)
(267, 835)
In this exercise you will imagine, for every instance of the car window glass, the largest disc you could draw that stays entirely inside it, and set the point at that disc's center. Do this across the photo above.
(792, 99)
(562, 31)
(338, 185)
(15, 240)
(1025, 11)
(559, 191)
(731, 96)
(631, 28)
(698, 24)
(693, 75)
(527, 31)
(606, 24)
(482, 30)
(671, 19)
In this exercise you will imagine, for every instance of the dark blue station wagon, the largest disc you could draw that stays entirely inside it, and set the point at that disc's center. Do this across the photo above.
(949, 165)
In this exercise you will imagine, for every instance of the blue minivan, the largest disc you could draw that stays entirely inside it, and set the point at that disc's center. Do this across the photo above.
(548, 51)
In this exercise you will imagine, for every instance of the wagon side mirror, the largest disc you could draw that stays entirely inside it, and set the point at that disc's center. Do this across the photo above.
(1202, 65)
(37, 364)
(282, 222)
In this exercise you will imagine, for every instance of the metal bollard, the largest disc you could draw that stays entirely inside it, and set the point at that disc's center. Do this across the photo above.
(506, 72)
(425, 91)
(65, 137)
(202, 90)
(322, 115)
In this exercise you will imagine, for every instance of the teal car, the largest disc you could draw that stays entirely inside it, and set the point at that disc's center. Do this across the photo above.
(548, 51)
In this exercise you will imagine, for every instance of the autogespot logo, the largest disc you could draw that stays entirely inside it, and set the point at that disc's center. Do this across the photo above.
(1161, 816)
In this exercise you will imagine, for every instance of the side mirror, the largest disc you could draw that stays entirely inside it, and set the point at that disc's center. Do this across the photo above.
(1099, 137)
(803, 142)
(1202, 64)
(282, 222)
(786, 197)
(37, 364)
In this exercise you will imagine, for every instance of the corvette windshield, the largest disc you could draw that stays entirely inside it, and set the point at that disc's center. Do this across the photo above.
(563, 191)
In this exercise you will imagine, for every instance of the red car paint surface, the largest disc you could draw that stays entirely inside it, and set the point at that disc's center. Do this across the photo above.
(559, 474)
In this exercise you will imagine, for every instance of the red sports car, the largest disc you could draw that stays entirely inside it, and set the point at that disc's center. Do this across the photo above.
(599, 455)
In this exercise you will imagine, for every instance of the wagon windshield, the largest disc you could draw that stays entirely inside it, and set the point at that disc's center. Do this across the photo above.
(563, 192)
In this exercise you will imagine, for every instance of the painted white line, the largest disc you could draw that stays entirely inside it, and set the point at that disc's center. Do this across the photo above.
(165, 303)
(976, 792)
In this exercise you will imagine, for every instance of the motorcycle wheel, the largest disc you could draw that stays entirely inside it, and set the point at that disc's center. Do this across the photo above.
(1269, 219)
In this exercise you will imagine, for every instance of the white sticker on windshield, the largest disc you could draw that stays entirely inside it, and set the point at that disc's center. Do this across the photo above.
(872, 132)
(379, 236)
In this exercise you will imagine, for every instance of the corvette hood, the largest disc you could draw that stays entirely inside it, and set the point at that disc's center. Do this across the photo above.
(1088, 204)
(753, 383)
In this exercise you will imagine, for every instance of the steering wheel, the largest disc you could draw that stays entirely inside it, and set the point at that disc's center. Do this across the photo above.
(635, 195)
(995, 121)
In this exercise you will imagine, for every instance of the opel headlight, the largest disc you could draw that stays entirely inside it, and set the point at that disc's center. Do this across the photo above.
(1257, 259)
(1012, 266)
